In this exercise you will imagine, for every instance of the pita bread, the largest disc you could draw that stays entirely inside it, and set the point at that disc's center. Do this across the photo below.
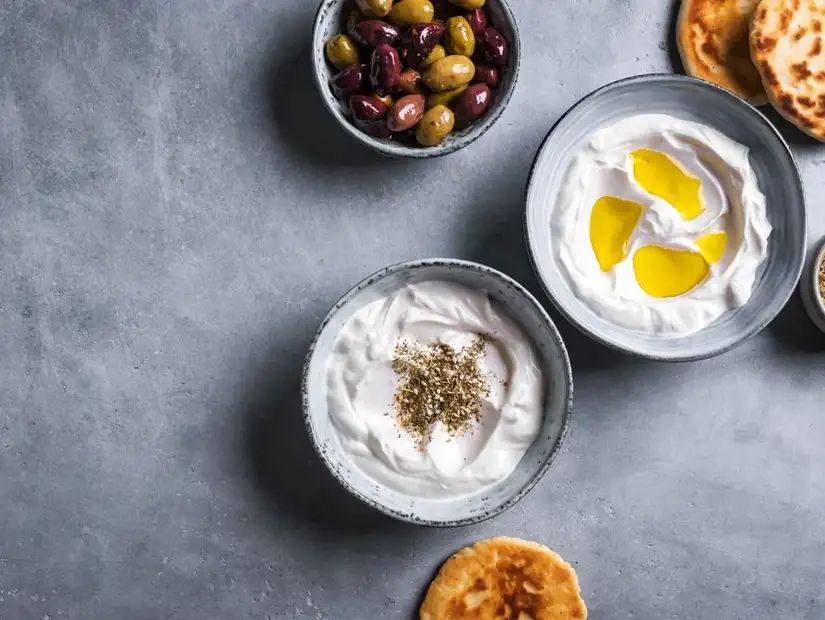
(788, 47)
(712, 36)
(504, 579)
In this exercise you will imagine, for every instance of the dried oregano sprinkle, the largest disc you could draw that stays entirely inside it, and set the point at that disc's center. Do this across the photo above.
(822, 279)
(436, 384)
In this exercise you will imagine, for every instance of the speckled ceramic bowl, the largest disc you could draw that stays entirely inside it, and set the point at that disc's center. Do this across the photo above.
(329, 21)
(778, 178)
(467, 509)
(809, 289)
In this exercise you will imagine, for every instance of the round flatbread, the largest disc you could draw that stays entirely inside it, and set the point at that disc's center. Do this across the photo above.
(504, 579)
(787, 47)
(712, 36)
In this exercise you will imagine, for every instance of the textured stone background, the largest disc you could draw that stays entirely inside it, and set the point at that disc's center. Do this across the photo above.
(177, 213)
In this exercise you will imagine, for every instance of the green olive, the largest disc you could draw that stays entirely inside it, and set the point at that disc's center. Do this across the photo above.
(468, 5)
(375, 8)
(435, 125)
(437, 54)
(448, 73)
(443, 98)
(341, 51)
(409, 12)
(460, 37)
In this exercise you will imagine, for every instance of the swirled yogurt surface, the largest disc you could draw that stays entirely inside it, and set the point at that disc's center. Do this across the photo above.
(361, 385)
(660, 224)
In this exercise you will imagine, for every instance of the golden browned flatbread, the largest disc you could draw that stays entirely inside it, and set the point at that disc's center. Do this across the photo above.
(712, 36)
(788, 48)
(504, 579)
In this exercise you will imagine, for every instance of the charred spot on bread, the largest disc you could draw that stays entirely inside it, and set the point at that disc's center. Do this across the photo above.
(800, 71)
(765, 44)
(787, 104)
(769, 74)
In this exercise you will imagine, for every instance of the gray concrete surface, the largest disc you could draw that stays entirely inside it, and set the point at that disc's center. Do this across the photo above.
(177, 213)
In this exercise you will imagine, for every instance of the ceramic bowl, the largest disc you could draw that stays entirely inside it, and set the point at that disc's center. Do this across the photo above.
(549, 347)
(811, 298)
(329, 21)
(778, 177)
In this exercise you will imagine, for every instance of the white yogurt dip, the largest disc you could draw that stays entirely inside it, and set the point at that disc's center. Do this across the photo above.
(732, 204)
(361, 385)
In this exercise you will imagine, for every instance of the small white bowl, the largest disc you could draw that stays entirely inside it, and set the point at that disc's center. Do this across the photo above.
(811, 299)
(467, 509)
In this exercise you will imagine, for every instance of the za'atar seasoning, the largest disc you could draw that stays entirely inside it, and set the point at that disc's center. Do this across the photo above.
(439, 384)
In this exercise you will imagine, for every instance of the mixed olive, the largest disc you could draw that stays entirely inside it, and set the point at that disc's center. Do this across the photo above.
(417, 69)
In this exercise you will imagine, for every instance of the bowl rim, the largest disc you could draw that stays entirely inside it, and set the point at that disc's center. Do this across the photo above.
(798, 181)
(567, 380)
(412, 152)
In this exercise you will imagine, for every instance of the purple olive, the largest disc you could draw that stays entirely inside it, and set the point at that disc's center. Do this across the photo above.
(367, 108)
(472, 104)
(350, 81)
(410, 82)
(418, 42)
(478, 21)
(494, 47)
(406, 113)
(374, 32)
(385, 68)
(377, 129)
(485, 74)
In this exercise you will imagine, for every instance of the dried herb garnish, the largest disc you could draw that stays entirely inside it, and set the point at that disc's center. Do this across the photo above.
(822, 280)
(439, 384)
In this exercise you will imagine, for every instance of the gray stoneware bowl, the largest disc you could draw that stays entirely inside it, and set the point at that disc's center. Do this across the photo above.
(467, 509)
(778, 177)
(329, 21)
(813, 302)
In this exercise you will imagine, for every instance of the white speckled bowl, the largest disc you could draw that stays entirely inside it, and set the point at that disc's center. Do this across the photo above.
(329, 21)
(468, 509)
(809, 289)
(778, 177)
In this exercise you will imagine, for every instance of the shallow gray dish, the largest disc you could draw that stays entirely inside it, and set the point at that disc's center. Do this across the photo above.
(778, 176)
(329, 21)
(523, 308)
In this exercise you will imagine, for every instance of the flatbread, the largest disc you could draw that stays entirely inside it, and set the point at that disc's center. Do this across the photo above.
(788, 47)
(504, 579)
(712, 36)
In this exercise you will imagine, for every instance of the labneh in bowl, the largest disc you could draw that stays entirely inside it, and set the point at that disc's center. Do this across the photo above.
(523, 309)
(329, 21)
(778, 178)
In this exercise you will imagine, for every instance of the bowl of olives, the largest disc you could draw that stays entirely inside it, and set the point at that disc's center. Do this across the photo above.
(416, 78)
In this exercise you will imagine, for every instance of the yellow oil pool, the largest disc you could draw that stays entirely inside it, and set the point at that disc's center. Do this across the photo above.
(667, 272)
(611, 224)
(661, 176)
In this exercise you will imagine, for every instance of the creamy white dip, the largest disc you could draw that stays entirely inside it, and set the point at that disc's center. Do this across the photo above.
(361, 385)
(733, 204)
